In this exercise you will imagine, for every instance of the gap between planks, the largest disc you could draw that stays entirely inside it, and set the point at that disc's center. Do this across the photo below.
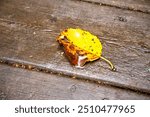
(40, 68)
(114, 6)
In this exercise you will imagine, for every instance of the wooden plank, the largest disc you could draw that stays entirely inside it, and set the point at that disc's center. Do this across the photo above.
(28, 32)
(136, 5)
(21, 84)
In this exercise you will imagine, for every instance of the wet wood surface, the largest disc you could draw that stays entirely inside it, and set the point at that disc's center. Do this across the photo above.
(28, 31)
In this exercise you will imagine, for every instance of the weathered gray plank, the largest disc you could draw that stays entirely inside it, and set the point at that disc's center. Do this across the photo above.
(28, 31)
(21, 84)
(136, 5)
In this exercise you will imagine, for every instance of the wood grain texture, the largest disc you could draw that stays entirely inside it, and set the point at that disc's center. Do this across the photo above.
(24, 84)
(28, 31)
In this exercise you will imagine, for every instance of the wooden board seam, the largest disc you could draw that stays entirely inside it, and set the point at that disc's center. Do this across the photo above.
(114, 6)
(34, 67)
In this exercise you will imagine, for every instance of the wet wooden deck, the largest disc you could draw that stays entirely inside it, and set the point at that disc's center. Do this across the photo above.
(33, 65)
